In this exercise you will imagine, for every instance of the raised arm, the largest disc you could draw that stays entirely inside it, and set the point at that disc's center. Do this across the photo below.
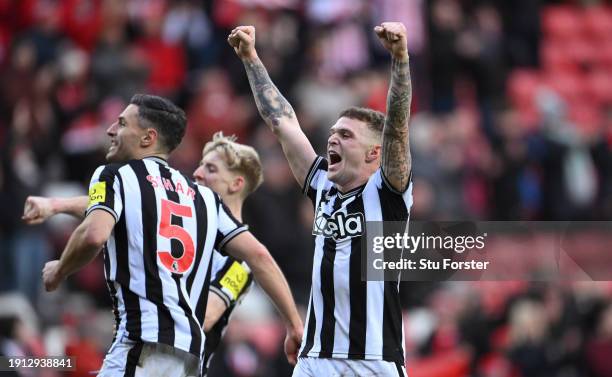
(38, 209)
(396, 160)
(269, 276)
(273, 107)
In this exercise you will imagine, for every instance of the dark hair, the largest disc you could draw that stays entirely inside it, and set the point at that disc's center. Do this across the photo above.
(160, 113)
(374, 119)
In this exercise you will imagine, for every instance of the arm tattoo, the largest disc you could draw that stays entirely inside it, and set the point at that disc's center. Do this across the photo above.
(396, 161)
(270, 102)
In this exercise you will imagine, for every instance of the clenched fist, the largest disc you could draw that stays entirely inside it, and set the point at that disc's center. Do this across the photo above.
(392, 35)
(242, 39)
(51, 275)
(292, 344)
(36, 210)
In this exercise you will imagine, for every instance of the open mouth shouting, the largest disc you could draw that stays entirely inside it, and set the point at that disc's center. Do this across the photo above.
(334, 158)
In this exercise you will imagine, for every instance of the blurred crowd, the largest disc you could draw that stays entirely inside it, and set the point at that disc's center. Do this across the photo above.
(68, 67)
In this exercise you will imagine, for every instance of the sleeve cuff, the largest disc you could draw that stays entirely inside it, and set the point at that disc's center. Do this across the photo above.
(311, 172)
(231, 235)
(102, 207)
(224, 296)
(390, 187)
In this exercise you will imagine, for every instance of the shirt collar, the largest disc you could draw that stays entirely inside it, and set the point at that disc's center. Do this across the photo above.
(157, 159)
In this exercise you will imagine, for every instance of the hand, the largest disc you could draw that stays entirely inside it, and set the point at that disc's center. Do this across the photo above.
(51, 276)
(37, 209)
(242, 39)
(392, 35)
(292, 344)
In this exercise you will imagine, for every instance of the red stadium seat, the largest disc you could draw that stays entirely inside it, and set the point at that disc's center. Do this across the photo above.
(522, 86)
(586, 115)
(555, 57)
(599, 87)
(604, 56)
(582, 51)
(570, 86)
(448, 364)
(597, 22)
(561, 22)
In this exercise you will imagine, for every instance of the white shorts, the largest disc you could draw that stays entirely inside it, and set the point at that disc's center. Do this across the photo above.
(315, 367)
(136, 359)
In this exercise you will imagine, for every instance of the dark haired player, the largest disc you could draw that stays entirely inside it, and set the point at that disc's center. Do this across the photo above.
(158, 230)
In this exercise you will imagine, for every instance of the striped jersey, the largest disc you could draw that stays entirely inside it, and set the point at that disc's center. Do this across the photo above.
(349, 318)
(157, 259)
(230, 280)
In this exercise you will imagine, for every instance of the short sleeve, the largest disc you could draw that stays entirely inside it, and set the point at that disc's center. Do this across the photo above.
(105, 191)
(392, 198)
(390, 187)
(228, 226)
(316, 173)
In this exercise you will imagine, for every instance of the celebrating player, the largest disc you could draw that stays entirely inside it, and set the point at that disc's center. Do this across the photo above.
(353, 327)
(158, 230)
(232, 170)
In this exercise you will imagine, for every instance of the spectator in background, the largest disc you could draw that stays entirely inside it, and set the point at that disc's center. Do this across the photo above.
(599, 347)
(529, 347)
(164, 59)
(187, 23)
(19, 334)
(445, 23)
(65, 65)
(116, 68)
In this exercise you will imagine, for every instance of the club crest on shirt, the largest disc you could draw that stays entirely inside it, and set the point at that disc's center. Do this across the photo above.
(338, 225)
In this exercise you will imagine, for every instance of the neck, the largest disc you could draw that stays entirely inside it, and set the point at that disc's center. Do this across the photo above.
(350, 186)
(345, 187)
(146, 154)
(234, 203)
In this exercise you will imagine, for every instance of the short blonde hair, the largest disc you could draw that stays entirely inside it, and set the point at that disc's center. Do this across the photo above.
(241, 159)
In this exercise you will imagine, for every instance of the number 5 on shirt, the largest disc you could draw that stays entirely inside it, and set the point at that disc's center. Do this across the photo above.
(167, 230)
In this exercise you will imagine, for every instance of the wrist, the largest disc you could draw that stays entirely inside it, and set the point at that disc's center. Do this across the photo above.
(54, 206)
(60, 273)
(401, 57)
(250, 58)
(295, 326)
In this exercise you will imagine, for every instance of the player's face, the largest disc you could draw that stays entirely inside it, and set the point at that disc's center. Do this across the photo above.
(214, 173)
(347, 147)
(125, 136)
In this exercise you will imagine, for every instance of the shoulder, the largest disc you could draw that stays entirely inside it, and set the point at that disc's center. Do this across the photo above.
(314, 175)
(209, 196)
(379, 180)
(107, 170)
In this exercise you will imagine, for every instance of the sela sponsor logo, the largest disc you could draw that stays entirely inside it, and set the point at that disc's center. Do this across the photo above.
(338, 225)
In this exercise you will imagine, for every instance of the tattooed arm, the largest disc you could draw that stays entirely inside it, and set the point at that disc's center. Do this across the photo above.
(275, 110)
(396, 161)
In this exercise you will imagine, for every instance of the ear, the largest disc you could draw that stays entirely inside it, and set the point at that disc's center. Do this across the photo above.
(373, 153)
(149, 138)
(237, 184)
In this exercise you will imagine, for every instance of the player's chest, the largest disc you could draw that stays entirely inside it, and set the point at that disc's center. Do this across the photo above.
(339, 219)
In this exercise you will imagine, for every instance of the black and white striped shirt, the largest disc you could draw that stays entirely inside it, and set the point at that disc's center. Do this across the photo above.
(230, 280)
(157, 260)
(349, 318)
